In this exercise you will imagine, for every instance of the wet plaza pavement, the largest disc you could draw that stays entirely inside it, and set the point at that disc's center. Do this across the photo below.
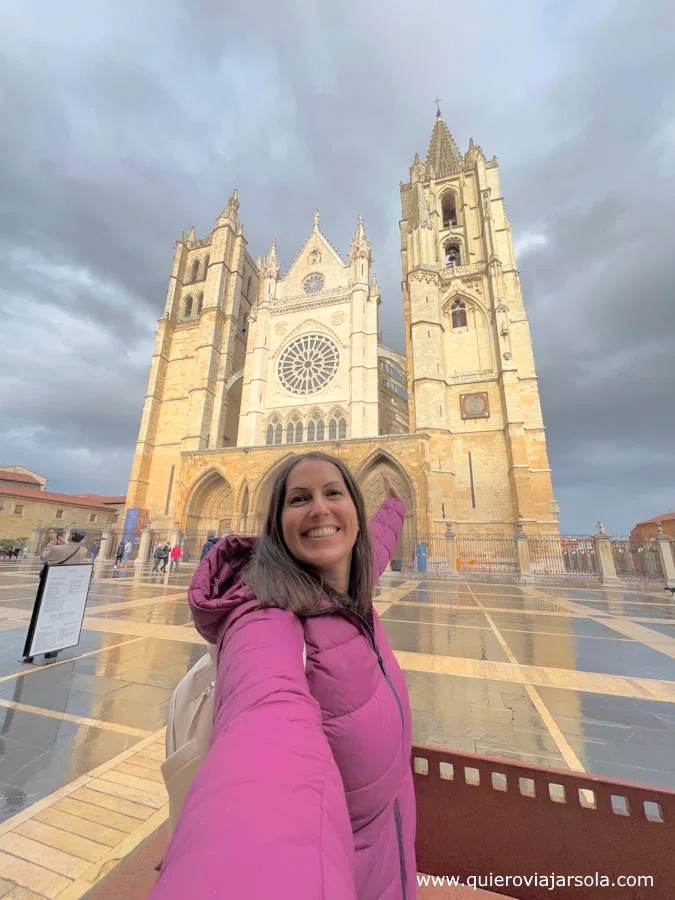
(562, 676)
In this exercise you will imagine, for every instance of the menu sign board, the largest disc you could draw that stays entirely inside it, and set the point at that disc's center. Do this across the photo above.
(59, 608)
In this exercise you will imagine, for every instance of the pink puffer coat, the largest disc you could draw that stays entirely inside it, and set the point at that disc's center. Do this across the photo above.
(307, 791)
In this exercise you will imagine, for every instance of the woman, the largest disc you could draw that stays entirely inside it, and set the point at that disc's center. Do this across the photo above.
(307, 790)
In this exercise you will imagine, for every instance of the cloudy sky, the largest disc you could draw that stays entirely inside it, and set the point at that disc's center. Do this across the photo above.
(124, 123)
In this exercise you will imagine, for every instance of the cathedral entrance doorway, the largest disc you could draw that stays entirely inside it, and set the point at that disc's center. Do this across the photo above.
(210, 506)
(369, 478)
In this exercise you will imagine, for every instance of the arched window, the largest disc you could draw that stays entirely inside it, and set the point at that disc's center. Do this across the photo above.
(274, 432)
(298, 432)
(194, 271)
(337, 427)
(248, 286)
(458, 314)
(290, 433)
(315, 428)
(449, 209)
(187, 307)
(452, 257)
(200, 303)
(206, 265)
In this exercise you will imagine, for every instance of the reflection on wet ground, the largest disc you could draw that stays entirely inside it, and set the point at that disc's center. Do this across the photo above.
(512, 683)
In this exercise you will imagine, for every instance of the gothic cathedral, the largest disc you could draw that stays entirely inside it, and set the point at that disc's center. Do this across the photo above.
(250, 363)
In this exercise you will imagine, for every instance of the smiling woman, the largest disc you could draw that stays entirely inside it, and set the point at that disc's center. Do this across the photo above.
(317, 743)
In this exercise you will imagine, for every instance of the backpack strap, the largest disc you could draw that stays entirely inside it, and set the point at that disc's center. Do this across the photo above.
(68, 557)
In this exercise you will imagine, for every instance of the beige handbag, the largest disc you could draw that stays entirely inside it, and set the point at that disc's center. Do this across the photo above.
(188, 731)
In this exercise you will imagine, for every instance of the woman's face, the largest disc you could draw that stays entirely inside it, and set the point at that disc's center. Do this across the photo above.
(319, 521)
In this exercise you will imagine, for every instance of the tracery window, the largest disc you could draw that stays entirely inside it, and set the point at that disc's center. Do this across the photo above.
(458, 314)
(308, 364)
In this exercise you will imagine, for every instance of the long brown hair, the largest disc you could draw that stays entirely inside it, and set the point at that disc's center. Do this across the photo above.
(277, 578)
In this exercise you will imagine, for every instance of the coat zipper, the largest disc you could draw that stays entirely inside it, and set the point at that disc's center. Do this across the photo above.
(401, 855)
(380, 661)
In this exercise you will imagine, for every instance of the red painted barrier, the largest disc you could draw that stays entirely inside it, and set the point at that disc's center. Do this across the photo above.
(477, 815)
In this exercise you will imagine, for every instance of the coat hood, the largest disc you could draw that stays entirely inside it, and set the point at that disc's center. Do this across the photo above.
(216, 587)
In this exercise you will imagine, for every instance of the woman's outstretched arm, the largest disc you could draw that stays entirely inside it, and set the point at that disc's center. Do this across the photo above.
(386, 527)
(267, 814)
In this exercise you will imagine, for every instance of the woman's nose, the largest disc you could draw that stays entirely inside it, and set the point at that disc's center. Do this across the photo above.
(319, 506)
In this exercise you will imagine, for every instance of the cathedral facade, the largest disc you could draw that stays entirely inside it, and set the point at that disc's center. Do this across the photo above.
(251, 365)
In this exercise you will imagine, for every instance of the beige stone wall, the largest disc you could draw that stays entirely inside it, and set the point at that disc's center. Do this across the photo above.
(43, 512)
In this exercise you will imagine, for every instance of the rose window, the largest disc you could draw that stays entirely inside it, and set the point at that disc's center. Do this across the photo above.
(308, 364)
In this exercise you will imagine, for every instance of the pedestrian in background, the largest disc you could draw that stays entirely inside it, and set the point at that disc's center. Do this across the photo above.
(119, 555)
(157, 556)
(163, 555)
(209, 544)
(176, 554)
(128, 547)
(60, 552)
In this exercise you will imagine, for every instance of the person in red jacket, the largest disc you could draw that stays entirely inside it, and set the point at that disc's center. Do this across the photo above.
(176, 555)
(307, 790)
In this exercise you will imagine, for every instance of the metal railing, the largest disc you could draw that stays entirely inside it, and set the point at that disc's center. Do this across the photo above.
(637, 559)
(550, 555)
(563, 555)
(489, 553)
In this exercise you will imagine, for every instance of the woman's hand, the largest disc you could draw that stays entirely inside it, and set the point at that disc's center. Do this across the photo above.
(389, 486)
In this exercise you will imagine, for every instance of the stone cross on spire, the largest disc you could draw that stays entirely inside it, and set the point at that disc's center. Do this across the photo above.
(316, 220)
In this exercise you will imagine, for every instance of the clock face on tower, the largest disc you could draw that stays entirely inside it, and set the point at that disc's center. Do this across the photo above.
(313, 284)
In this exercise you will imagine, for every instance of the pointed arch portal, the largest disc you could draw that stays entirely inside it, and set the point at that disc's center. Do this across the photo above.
(369, 478)
(210, 506)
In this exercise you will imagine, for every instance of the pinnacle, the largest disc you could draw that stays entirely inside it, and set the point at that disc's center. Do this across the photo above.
(271, 264)
(443, 156)
(272, 255)
(360, 233)
(232, 208)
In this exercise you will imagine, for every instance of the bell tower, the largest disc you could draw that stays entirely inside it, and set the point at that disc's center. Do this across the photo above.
(472, 379)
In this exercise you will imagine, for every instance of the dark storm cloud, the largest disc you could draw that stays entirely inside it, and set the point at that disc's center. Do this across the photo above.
(124, 124)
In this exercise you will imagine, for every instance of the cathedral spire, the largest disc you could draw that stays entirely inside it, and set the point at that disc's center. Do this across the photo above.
(231, 210)
(443, 158)
(190, 236)
(271, 266)
(360, 246)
